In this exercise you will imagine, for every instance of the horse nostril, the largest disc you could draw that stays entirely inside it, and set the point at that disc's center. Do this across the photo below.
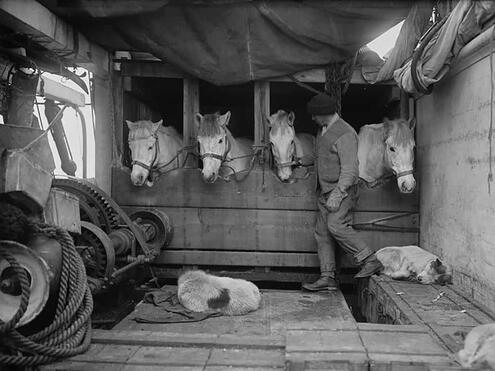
(420, 279)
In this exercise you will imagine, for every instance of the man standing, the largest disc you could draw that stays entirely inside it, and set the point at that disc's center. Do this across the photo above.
(337, 169)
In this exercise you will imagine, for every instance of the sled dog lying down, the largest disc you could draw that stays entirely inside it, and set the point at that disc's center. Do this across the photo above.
(412, 262)
(479, 348)
(199, 292)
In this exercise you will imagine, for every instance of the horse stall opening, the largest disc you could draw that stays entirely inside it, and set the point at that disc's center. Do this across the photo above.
(260, 227)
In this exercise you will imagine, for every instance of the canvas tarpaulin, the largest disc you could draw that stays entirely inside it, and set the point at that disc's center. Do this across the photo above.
(227, 42)
(466, 21)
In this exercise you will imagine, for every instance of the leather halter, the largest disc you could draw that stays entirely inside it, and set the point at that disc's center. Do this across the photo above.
(281, 165)
(404, 173)
(151, 166)
(223, 157)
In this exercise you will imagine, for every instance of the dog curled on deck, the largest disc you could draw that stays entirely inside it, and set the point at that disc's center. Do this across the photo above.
(413, 263)
(199, 292)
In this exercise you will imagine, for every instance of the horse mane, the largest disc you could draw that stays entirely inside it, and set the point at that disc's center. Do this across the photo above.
(399, 132)
(209, 126)
(280, 121)
(143, 128)
(169, 131)
(373, 133)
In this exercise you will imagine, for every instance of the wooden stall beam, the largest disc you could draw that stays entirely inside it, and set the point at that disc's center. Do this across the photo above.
(55, 90)
(151, 69)
(261, 112)
(31, 18)
(238, 258)
(191, 107)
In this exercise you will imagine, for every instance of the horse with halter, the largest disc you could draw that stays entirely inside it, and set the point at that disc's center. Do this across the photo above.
(221, 153)
(154, 150)
(287, 146)
(386, 149)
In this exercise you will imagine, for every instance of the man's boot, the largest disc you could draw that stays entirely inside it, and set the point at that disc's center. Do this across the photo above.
(371, 266)
(324, 283)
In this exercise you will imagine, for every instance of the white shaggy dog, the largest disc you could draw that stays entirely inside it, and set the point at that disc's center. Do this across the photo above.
(199, 292)
(414, 263)
(479, 348)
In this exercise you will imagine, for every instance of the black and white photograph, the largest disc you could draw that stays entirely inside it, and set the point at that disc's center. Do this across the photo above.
(247, 185)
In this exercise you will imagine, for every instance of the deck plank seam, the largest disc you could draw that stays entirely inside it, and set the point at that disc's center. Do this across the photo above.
(428, 327)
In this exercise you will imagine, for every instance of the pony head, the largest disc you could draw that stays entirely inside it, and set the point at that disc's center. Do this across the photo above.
(213, 142)
(399, 152)
(281, 137)
(143, 144)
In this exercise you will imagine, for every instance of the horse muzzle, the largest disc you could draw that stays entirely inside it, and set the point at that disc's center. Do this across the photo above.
(406, 183)
(211, 178)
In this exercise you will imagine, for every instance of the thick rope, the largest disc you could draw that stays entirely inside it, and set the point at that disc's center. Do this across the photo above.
(70, 332)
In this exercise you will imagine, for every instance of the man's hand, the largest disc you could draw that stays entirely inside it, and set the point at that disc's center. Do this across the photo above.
(335, 199)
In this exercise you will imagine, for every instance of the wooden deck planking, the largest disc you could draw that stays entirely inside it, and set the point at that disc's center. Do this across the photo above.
(444, 312)
(279, 310)
(292, 330)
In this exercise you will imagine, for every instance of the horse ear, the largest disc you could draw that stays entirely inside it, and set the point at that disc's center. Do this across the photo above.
(291, 118)
(412, 123)
(268, 120)
(225, 118)
(131, 125)
(197, 119)
(156, 125)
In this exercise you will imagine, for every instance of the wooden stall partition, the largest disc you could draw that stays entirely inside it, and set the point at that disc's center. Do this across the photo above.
(260, 222)
(261, 113)
(191, 107)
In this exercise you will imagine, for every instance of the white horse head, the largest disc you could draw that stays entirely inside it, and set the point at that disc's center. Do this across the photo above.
(385, 148)
(282, 140)
(399, 152)
(154, 149)
(143, 143)
(213, 138)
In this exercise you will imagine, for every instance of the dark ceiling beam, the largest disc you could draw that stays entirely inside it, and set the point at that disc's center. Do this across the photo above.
(31, 18)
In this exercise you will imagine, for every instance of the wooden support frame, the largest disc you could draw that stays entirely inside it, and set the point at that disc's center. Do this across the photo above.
(191, 107)
(151, 69)
(147, 68)
(104, 131)
(31, 18)
(261, 112)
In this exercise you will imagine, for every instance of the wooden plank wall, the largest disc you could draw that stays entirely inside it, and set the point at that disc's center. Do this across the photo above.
(256, 224)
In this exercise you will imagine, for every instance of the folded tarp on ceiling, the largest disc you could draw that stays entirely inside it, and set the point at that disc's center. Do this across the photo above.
(228, 42)
(467, 20)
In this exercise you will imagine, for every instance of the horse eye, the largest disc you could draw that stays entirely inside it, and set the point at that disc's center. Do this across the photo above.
(392, 149)
(150, 148)
(220, 141)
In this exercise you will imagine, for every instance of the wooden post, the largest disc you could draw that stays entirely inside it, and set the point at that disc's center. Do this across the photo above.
(261, 112)
(404, 105)
(119, 119)
(104, 126)
(191, 107)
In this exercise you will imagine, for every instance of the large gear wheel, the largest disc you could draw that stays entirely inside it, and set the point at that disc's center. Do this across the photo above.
(94, 207)
(102, 253)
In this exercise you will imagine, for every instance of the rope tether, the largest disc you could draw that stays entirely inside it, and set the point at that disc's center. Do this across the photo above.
(70, 331)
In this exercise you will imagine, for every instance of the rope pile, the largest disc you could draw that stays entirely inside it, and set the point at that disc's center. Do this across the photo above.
(70, 332)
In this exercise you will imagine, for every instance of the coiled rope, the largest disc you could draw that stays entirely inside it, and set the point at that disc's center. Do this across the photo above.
(70, 332)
